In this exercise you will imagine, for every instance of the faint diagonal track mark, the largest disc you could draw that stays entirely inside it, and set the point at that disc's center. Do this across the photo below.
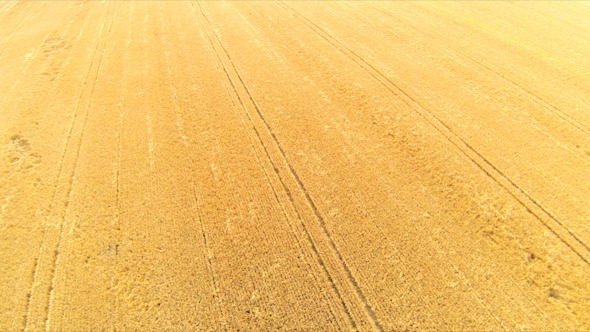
(546, 218)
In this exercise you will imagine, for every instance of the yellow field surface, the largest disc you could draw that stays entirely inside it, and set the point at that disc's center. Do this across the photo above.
(293, 165)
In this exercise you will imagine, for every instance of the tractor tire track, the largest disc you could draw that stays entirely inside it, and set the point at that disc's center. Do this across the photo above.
(55, 252)
(224, 75)
(546, 218)
(365, 304)
(236, 95)
(547, 105)
(73, 174)
(195, 208)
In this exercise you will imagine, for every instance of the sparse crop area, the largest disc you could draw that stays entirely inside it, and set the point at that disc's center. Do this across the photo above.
(285, 165)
